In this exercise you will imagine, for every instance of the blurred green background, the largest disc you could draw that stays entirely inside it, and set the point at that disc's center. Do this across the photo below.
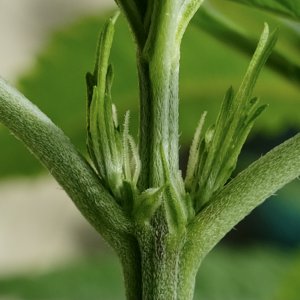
(258, 260)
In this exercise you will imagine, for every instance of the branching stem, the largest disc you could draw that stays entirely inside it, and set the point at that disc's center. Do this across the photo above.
(50, 145)
(249, 189)
(158, 228)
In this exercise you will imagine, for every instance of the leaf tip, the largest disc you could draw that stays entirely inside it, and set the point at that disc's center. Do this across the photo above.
(113, 19)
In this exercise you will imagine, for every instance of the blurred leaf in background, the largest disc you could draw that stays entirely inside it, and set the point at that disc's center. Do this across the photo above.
(211, 19)
(288, 8)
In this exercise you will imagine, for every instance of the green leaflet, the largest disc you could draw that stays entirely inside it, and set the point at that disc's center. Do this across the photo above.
(112, 150)
(176, 204)
(115, 154)
(146, 205)
(193, 155)
(135, 160)
(213, 159)
(288, 8)
(125, 140)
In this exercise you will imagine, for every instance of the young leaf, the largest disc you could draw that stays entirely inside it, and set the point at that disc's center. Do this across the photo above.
(136, 162)
(194, 153)
(222, 143)
(113, 152)
(100, 129)
(146, 204)
(236, 200)
(126, 158)
(175, 207)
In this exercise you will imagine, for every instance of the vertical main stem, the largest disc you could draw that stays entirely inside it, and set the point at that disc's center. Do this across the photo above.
(158, 125)
(159, 101)
(161, 271)
(160, 264)
(158, 66)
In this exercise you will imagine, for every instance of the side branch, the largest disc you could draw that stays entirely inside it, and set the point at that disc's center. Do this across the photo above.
(238, 198)
(50, 145)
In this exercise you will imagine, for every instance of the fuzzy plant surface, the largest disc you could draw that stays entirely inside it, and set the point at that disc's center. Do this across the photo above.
(160, 224)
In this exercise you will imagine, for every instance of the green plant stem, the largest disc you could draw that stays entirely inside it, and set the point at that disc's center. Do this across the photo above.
(159, 126)
(160, 255)
(50, 145)
(245, 192)
(130, 258)
(160, 263)
(158, 68)
(158, 121)
(158, 65)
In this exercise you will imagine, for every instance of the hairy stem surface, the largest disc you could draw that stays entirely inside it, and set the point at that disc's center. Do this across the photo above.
(245, 192)
(50, 145)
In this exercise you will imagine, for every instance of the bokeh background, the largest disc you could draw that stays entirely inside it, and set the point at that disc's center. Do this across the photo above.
(47, 250)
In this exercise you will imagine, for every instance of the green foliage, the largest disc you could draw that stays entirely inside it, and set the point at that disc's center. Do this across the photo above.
(110, 148)
(219, 148)
(147, 204)
(160, 230)
(59, 69)
(288, 8)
